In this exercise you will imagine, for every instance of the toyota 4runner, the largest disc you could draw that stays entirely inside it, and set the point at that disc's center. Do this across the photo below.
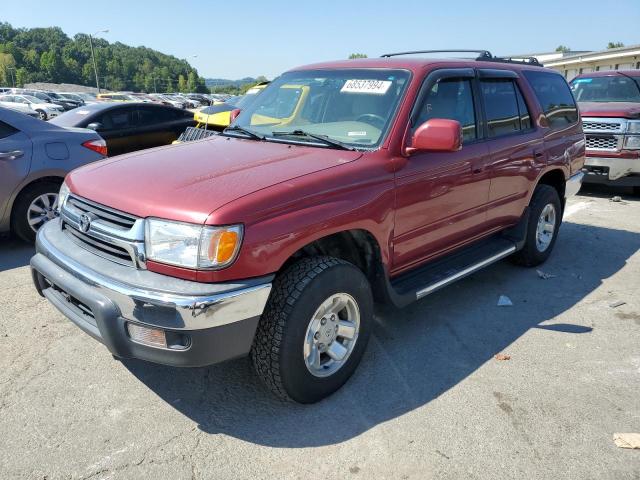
(395, 177)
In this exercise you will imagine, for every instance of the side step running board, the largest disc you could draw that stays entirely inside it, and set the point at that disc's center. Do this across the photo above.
(419, 283)
(463, 273)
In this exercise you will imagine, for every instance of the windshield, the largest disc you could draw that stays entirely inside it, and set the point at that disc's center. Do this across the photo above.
(616, 88)
(353, 107)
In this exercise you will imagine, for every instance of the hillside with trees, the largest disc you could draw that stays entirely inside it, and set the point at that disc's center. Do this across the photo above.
(48, 55)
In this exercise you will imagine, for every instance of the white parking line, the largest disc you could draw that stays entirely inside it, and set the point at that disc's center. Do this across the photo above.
(576, 207)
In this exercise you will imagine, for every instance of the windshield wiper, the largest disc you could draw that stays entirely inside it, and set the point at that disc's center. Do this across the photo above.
(246, 131)
(321, 138)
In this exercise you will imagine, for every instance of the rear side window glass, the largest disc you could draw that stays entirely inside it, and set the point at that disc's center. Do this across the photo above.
(501, 106)
(554, 96)
(6, 130)
(117, 119)
(451, 98)
(505, 107)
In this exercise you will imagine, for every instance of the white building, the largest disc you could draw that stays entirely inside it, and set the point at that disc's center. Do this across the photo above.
(574, 63)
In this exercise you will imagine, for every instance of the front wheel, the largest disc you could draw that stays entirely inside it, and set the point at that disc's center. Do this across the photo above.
(545, 217)
(42, 115)
(314, 329)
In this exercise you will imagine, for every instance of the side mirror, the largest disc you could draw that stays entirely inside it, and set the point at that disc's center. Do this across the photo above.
(438, 135)
(234, 114)
(95, 126)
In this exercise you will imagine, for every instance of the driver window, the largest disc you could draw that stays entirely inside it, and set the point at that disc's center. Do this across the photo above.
(451, 98)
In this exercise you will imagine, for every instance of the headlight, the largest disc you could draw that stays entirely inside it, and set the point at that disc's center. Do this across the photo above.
(633, 126)
(632, 142)
(63, 194)
(192, 246)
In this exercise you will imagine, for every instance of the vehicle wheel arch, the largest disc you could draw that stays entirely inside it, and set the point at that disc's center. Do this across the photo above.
(555, 178)
(357, 246)
(25, 186)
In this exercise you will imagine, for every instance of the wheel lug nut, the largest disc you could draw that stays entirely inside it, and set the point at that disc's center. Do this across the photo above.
(323, 321)
(333, 318)
(317, 335)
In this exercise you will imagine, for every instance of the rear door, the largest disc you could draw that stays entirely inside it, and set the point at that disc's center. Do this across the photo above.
(118, 130)
(15, 161)
(516, 147)
(155, 125)
(441, 197)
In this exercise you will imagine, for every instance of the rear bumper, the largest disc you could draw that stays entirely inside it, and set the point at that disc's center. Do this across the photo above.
(611, 168)
(203, 323)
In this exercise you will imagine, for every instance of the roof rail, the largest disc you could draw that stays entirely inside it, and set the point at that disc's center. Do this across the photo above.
(527, 61)
(483, 56)
(481, 53)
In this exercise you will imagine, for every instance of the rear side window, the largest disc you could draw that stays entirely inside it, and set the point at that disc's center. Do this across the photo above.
(117, 119)
(6, 130)
(554, 96)
(451, 98)
(505, 107)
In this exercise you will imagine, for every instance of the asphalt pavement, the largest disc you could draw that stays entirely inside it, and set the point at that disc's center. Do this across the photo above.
(430, 399)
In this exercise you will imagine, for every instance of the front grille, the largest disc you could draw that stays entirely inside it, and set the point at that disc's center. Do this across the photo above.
(99, 247)
(111, 217)
(602, 143)
(113, 234)
(602, 126)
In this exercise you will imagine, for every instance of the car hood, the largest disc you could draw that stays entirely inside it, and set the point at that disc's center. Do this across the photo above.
(188, 181)
(610, 109)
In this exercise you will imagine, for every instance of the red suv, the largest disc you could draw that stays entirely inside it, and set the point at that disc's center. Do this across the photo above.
(374, 180)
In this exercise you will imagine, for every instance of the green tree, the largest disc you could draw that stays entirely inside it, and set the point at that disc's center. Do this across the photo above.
(182, 84)
(611, 45)
(357, 55)
(563, 49)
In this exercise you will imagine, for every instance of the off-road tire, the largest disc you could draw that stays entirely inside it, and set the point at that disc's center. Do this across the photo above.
(19, 223)
(529, 255)
(277, 351)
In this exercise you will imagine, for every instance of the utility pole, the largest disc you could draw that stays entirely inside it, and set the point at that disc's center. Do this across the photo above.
(154, 85)
(13, 77)
(93, 57)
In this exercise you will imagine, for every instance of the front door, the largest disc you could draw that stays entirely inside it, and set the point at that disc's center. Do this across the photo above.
(15, 161)
(441, 197)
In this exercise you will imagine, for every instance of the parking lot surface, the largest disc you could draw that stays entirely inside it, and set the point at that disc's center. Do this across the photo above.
(430, 400)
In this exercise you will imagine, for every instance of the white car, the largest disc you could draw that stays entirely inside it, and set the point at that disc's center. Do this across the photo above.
(29, 104)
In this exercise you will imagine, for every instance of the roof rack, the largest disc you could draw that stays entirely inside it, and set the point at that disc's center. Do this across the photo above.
(481, 53)
(483, 56)
(526, 61)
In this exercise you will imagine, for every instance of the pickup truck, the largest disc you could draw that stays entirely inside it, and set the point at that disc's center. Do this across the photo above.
(396, 177)
(609, 102)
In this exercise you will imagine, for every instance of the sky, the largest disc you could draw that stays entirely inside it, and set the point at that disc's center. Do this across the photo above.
(250, 38)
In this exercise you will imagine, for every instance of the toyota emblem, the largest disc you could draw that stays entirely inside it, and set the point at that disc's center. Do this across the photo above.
(85, 223)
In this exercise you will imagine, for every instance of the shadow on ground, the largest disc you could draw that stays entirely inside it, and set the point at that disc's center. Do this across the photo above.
(415, 354)
(14, 253)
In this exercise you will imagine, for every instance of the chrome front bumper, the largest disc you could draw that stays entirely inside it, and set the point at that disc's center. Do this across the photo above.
(573, 185)
(618, 167)
(102, 297)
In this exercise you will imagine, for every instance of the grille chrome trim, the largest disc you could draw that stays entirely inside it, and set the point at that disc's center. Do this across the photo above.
(107, 235)
(604, 125)
(609, 143)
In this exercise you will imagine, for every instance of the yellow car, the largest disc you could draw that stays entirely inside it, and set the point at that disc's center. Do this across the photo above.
(114, 97)
(218, 116)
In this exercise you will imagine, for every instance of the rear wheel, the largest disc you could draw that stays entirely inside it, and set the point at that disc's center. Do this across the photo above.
(34, 207)
(545, 217)
(314, 329)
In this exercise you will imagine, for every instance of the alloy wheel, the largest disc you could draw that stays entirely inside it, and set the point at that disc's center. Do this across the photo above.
(546, 227)
(42, 209)
(331, 335)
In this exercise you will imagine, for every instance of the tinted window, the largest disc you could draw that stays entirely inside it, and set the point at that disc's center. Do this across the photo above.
(116, 119)
(151, 116)
(554, 96)
(6, 130)
(505, 108)
(606, 89)
(451, 98)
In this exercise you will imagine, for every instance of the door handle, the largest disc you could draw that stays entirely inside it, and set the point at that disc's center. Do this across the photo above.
(538, 154)
(11, 155)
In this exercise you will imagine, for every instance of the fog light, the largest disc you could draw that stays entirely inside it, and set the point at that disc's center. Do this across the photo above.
(147, 336)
